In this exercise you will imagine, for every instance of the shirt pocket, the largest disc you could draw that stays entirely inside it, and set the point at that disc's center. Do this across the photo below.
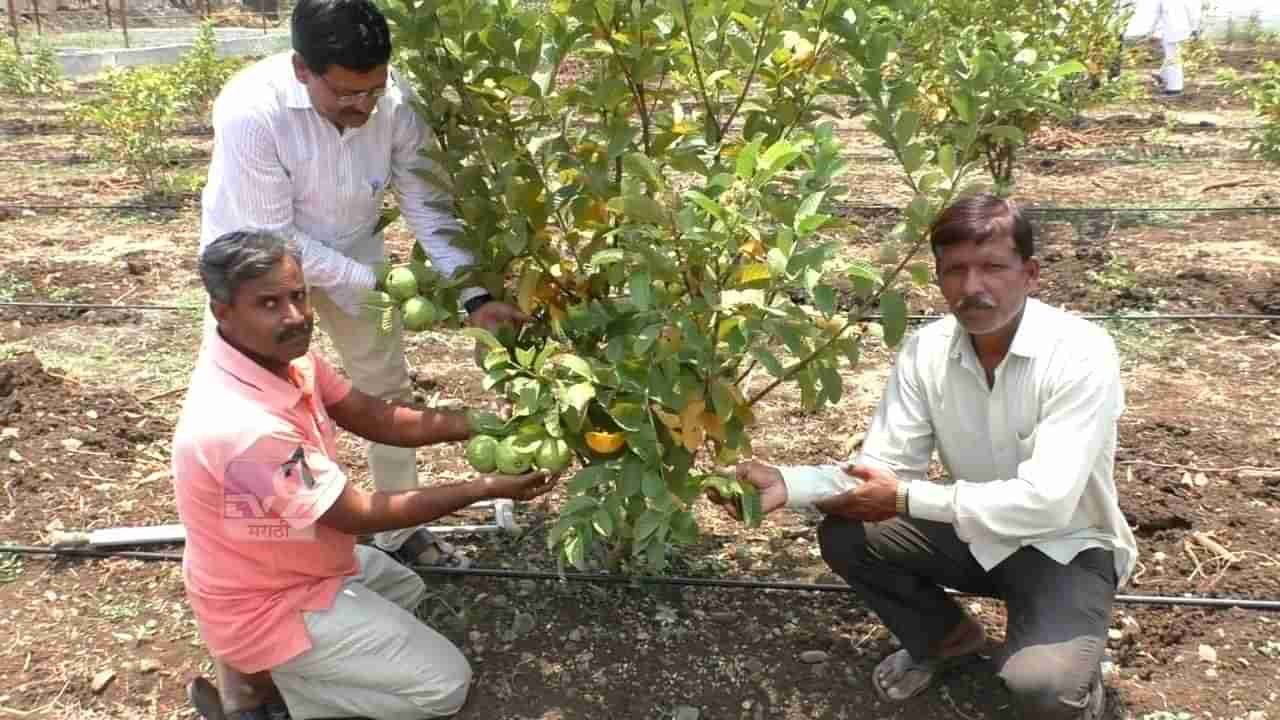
(1026, 446)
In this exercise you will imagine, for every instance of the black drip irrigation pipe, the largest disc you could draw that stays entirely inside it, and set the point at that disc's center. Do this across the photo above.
(1036, 159)
(854, 207)
(873, 316)
(95, 306)
(672, 581)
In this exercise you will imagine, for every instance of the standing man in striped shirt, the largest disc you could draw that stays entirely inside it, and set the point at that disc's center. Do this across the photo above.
(1021, 401)
(305, 144)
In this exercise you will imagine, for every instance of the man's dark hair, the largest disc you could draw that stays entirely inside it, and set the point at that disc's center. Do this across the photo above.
(238, 257)
(979, 218)
(352, 34)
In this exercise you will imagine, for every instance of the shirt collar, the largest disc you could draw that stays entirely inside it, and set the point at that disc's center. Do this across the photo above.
(1026, 341)
(271, 389)
(296, 95)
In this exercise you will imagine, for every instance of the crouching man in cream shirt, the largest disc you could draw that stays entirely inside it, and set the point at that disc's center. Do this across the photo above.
(1020, 400)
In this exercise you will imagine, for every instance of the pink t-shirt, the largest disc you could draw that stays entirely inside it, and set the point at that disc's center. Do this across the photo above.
(254, 467)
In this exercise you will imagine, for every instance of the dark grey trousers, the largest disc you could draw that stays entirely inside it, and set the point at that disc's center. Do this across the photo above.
(1058, 614)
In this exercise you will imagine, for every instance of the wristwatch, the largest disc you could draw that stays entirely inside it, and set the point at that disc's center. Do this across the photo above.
(474, 303)
(901, 502)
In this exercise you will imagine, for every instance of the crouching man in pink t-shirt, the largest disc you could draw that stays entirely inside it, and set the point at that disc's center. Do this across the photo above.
(302, 621)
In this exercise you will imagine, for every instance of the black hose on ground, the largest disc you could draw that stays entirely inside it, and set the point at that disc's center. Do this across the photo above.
(1220, 603)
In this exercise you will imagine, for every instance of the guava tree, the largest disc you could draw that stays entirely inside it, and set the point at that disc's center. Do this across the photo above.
(657, 215)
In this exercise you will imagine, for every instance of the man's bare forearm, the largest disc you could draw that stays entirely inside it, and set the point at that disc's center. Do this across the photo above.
(389, 424)
(358, 512)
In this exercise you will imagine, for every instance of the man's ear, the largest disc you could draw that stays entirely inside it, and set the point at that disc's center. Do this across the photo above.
(1032, 267)
(219, 310)
(300, 69)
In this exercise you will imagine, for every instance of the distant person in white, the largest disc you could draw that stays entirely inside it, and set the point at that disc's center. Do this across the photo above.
(1021, 401)
(305, 144)
(1174, 22)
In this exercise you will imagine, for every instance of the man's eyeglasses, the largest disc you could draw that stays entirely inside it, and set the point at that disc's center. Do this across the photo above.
(351, 99)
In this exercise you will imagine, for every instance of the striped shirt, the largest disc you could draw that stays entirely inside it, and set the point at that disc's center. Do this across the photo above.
(1030, 456)
(278, 165)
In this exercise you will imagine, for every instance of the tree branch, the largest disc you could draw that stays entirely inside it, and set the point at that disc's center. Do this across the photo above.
(746, 87)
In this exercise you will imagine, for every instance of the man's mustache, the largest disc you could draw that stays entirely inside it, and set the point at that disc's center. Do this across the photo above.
(976, 302)
(290, 333)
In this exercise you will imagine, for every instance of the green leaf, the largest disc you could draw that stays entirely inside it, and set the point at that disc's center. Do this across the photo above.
(603, 522)
(750, 506)
(777, 263)
(606, 257)
(631, 482)
(653, 485)
(893, 317)
(642, 166)
(647, 525)
(947, 160)
(641, 208)
(921, 273)
(587, 478)
(576, 365)
(641, 290)
(913, 157)
(710, 206)
(745, 166)
(1071, 67)
(578, 396)
(1008, 133)
(832, 384)
(824, 299)
(963, 105)
(768, 360)
(722, 400)
(579, 504)
(809, 207)
(777, 157)
(483, 336)
(906, 127)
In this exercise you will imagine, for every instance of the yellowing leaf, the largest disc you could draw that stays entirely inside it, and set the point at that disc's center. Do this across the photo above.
(754, 272)
(714, 427)
(672, 421)
(528, 286)
(692, 435)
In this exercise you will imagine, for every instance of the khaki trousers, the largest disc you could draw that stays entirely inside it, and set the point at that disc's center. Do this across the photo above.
(371, 657)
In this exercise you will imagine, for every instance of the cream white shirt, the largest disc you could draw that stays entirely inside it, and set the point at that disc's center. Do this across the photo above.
(1030, 456)
(279, 165)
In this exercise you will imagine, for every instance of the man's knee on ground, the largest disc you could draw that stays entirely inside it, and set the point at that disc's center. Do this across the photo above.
(1043, 690)
(447, 692)
(842, 541)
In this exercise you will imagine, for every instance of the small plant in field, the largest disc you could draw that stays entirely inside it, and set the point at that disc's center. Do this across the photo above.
(141, 108)
(1198, 55)
(1264, 94)
(33, 73)
(138, 112)
(65, 294)
(202, 73)
(11, 287)
(10, 567)
(1271, 649)
(1115, 275)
